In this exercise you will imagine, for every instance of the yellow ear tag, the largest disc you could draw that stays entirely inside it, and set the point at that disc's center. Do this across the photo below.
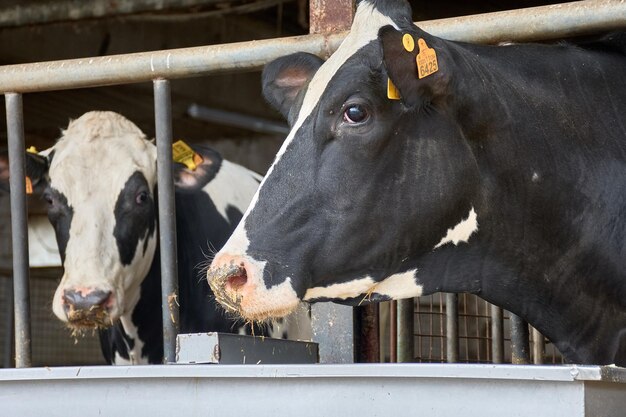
(408, 42)
(32, 149)
(183, 154)
(29, 186)
(392, 91)
(426, 60)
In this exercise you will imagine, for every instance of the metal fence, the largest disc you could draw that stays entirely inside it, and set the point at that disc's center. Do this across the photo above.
(548, 22)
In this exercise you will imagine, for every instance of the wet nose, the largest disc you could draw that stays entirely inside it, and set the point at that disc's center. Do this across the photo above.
(86, 299)
(228, 277)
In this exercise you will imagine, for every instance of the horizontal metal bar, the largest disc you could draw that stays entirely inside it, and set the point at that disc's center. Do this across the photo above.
(242, 121)
(544, 22)
(559, 373)
(72, 10)
(399, 390)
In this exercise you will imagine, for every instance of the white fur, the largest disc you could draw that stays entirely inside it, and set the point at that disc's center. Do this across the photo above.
(134, 354)
(396, 287)
(342, 290)
(233, 186)
(92, 162)
(367, 23)
(462, 231)
(399, 286)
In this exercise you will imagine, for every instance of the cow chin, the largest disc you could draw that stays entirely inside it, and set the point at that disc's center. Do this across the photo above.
(239, 288)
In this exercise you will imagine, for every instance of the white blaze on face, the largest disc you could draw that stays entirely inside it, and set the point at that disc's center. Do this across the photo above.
(397, 286)
(462, 231)
(92, 162)
(367, 23)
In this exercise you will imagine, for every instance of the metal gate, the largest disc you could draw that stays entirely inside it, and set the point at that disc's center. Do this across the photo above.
(548, 22)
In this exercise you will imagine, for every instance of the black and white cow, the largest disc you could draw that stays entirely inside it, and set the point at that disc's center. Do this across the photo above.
(99, 181)
(502, 173)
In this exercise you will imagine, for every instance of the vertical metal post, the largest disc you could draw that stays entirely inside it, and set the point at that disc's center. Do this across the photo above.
(452, 327)
(405, 330)
(333, 324)
(368, 340)
(7, 348)
(19, 230)
(393, 331)
(167, 218)
(520, 350)
(333, 329)
(497, 335)
(539, 347)
(330, 15)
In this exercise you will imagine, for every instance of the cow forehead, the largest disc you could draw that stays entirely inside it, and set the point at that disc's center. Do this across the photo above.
(367, 22)
(97, 154)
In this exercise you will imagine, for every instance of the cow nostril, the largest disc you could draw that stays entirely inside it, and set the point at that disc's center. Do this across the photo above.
(237, 279)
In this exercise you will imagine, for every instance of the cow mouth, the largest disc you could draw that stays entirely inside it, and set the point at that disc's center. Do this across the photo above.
(88, 319)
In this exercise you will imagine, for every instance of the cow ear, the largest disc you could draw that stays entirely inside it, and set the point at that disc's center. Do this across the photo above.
(404, 69)
(208, 163)
(285, 77)
(36, 166)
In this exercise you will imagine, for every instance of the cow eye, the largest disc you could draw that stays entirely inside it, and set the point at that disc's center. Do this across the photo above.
(141, 197)
(355, 114)
(48, 198)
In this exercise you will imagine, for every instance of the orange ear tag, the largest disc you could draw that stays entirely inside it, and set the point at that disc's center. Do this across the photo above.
(426, 60)
(29, 186)
(183, 154)
(392, 91)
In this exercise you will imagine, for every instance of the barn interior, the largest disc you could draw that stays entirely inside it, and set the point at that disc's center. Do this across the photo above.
(47, 30)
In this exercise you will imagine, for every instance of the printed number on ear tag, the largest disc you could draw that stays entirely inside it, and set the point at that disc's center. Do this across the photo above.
(426, 60)
(183, 154)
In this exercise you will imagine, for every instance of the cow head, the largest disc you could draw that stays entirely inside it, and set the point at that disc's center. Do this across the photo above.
(363, 186)
(99, 183)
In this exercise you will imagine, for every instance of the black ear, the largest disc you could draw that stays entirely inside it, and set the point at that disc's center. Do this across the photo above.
(285, 77)
(36, 169)
(186, 179)
(400, 56)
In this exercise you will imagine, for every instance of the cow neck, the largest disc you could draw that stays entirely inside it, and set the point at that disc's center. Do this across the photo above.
(525, 257)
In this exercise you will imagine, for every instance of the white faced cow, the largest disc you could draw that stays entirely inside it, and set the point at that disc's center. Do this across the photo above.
(99, 181)
(499, 171)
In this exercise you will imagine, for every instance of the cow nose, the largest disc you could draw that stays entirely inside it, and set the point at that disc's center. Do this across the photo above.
(86, 300)
(228, 278)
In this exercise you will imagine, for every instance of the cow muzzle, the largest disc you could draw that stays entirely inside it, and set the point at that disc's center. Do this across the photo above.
(237, 282)
(88, 308)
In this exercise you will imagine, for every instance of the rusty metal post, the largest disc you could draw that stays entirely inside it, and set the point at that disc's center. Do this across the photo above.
(19, 228)
(539, 347)
(497, 335)
(452, 327)
(520, 349)
(367, 325)
(393, 331)
(327, 16)
(406, 347)
(167, 218)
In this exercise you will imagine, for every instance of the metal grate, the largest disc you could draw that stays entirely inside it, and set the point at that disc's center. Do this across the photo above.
(474, 331)
(52, 343)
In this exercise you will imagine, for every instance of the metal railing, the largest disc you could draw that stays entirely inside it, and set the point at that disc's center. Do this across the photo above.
(546, 22)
